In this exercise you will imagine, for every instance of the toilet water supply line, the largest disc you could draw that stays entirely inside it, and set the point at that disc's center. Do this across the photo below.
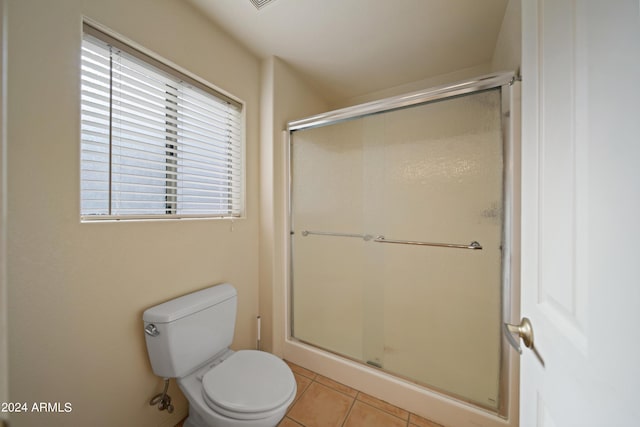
(163, 400)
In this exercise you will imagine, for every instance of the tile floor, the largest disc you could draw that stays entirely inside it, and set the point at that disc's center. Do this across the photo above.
(322, 402)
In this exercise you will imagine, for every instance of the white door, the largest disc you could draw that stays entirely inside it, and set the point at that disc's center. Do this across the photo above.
(581, 212)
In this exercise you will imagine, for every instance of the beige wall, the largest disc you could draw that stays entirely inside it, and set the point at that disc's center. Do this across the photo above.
(77, 291)
(4, 384)
(285, 97)
(426, 83)
(506, 56)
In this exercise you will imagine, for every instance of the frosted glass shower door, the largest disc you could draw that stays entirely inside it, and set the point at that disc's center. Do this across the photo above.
(328, 271)
(431, 173)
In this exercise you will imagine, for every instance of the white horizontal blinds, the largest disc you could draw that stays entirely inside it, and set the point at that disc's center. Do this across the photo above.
(95, 129)
(152, 143)
(209, 158)
(139, 170)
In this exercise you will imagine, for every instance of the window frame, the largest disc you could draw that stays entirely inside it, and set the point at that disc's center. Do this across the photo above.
(150, 58)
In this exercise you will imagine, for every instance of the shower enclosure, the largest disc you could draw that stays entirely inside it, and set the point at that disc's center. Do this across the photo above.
(401, 235)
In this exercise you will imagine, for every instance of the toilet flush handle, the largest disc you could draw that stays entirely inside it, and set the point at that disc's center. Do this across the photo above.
(151, 330)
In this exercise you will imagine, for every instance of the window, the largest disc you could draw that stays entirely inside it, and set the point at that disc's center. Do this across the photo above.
(155, 142)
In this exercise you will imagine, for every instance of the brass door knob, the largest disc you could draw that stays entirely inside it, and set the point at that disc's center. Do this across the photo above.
(524, 330)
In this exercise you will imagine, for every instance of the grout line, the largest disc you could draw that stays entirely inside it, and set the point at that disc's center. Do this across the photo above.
(335, 389)
(297, 399)
(387, 412)
(293, 421)
(348, 412)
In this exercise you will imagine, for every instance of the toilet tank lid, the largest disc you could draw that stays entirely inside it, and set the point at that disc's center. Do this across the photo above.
(188, 304)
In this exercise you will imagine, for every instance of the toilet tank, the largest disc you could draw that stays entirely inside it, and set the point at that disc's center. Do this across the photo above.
(185, 332)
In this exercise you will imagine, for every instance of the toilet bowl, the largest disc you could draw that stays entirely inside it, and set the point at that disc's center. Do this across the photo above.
(188, 339)
(249, 388)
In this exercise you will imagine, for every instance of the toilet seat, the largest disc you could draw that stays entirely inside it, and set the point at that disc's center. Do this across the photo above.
(248, 385)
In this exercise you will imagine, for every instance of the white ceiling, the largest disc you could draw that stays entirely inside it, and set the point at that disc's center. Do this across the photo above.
(348, 48)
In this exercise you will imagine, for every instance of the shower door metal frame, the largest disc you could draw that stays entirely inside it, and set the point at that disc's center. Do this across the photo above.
(509, 85)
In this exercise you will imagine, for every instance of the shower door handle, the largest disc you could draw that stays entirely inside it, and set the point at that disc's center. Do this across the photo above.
(524, 331)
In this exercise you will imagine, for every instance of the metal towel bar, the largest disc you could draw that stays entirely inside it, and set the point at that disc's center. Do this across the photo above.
(472, 245)
(365, 237)
(381, 239)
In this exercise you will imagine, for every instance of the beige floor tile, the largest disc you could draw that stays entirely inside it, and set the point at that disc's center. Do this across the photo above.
(288, 422)
(302, 371)
(418, 421)
(387, 407)
(336, 386)
(321, 406)
(363, 415)
(302, 383)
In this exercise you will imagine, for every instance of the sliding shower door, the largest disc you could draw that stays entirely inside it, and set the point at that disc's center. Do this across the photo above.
(396, 245)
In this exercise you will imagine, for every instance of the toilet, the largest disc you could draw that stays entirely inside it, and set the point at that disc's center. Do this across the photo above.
(188, 338)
